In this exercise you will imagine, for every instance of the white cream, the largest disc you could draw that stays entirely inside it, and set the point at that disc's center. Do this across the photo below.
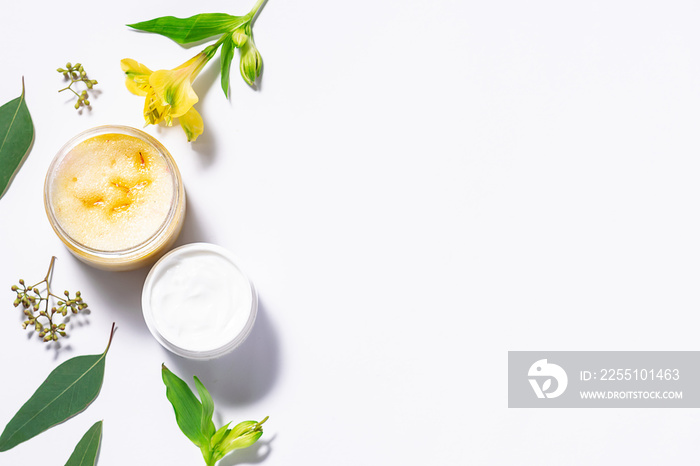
(197, 302)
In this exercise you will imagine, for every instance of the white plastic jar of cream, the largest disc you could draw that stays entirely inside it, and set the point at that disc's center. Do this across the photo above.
(198, 303)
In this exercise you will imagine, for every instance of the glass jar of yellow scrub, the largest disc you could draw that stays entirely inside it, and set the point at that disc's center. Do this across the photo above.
(114, 196)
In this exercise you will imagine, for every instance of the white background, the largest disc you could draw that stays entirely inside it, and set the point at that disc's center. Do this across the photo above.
(416, 188)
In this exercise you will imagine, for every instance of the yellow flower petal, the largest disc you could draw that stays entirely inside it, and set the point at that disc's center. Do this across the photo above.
(173, 88)
(153, 112)
(193, 124)
(136, 76)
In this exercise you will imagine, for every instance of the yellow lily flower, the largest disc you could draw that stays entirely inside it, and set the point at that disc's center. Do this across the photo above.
(169, 93)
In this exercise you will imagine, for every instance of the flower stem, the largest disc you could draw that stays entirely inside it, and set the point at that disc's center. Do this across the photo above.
(255, 9)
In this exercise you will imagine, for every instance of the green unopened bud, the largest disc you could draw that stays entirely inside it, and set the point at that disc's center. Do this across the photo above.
(87, 102)
(244, 441)
(239, 37)
(16, 302)
(60, 70)
(14, 288)
(77, 105)
(36, 290)
(68, 65)
(251, 62)
(21, 282)
(82, 73)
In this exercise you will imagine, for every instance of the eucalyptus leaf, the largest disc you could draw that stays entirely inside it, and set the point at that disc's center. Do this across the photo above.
(192, 29)
(16, 136)
(188, 409)
(227, 49)
(85, 453)
(67, 391)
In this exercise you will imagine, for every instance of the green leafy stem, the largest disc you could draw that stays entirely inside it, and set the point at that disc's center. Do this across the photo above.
(236, 33)
(31, 299)
(194, 417)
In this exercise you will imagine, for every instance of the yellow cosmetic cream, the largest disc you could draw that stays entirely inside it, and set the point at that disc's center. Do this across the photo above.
(114, 196)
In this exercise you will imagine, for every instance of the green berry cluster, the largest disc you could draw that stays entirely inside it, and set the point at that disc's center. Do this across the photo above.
(31, 299)
(76, 73)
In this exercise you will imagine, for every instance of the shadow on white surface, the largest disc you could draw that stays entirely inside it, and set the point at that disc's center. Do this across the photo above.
(243, 376)
(122, 290)
(192, 232)
(254, 454)
(208, 82)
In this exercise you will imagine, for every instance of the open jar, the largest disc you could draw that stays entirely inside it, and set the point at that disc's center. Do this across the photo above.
(114, 196)
(197, 301)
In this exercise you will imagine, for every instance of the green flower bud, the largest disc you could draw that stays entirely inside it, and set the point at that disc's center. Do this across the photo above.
(251, 62)
(68, 65)
(16, 302)
(239, 37)
(21, 282)
(87, 102)
(244, 441)
(77, 105)
(14, 288)
(60, 70)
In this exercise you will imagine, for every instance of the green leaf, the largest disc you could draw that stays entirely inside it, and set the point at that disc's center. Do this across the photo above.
(207, 425)
(85, 453)
(68, 390)
(16, 136)
(192, 29)
(188, 409)
(227, 49)
(220, 434)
